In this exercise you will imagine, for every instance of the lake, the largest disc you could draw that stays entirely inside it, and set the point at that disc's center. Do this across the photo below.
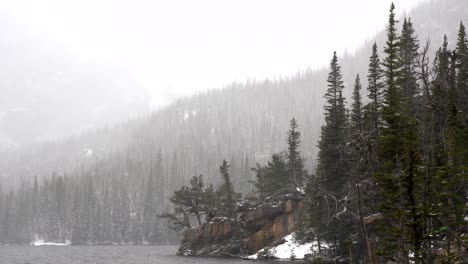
(107, 255)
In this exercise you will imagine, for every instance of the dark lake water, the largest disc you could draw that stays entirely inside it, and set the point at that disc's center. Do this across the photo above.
(106, 255)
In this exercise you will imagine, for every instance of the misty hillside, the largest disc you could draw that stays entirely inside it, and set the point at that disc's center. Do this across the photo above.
(243, 123)
(40, 80)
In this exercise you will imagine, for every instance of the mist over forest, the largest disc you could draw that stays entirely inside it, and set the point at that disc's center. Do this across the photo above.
(85, 159)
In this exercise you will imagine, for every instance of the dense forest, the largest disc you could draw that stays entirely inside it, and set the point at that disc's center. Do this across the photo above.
(391, 173)
(395, 156)
(390, 182)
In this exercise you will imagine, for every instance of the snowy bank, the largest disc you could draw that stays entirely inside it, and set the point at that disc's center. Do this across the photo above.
(289, 249)
(41, 242)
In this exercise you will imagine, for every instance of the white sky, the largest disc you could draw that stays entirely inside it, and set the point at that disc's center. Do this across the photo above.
(177, 47)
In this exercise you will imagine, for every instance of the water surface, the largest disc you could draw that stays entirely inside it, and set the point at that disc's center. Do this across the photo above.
(106, 255)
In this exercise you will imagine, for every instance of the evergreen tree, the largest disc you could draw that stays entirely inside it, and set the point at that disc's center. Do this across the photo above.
(451, 177)
(178, 220)
(375, 91)
(408, 74)
(209, 202)
(391, 50)
(400, 149)
(149, 209)
(77, 228)
(361, 156)
(295, 162)
(356, 126)
(272, 176)
(390, 141)
(190, 198)
(462, 71)
(311, 223)
(438, 104)
(391, 149)
(331, 168)
(227, 197)
(35, 205)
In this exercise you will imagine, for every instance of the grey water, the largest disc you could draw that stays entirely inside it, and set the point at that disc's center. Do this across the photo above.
(107, 255)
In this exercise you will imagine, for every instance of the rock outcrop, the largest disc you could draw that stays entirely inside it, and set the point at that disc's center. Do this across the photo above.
(260, 226)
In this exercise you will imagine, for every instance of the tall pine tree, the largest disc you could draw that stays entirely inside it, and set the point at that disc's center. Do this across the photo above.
(295, 162)
(331, 167)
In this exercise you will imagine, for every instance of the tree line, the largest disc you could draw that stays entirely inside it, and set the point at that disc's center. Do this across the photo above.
(87, 208)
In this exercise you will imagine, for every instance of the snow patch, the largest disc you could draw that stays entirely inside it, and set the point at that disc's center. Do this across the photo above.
(41, 242)
(300, 190)
(290, 249)
(88, 152)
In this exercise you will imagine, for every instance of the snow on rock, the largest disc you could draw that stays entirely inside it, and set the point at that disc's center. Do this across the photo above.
(300, 190)
(290, 249)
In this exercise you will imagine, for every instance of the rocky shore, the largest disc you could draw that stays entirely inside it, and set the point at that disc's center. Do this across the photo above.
(261, 225)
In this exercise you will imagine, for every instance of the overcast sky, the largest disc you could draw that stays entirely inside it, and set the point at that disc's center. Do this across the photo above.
(175, 47)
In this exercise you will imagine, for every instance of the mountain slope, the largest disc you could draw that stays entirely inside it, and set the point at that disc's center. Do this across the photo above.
(243, 123)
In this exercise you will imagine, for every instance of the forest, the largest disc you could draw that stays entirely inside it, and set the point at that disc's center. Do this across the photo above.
(389, 181)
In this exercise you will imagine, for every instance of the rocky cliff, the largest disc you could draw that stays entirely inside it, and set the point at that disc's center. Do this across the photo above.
(260, 225)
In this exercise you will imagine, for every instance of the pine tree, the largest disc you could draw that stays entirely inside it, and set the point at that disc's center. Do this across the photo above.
(358, 157)
(375, 91)
(390, 141)
(391, 61)
(227, 197)
(190, 198)
(364, 125)
(412, 156)
(451, 178)
(227, 207)
(356, 126)
(209, 202)
(462, 71)
(407, 77)
(439, 102)
(312, 218)
(148, 209)
(271, 177)
(400, 177)
(77, 228)
(295, 162)
(178, 220)
(372, 111)
(331, 168)
(35, 206)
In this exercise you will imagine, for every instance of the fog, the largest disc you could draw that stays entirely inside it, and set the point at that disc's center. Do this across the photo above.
(71, 66)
